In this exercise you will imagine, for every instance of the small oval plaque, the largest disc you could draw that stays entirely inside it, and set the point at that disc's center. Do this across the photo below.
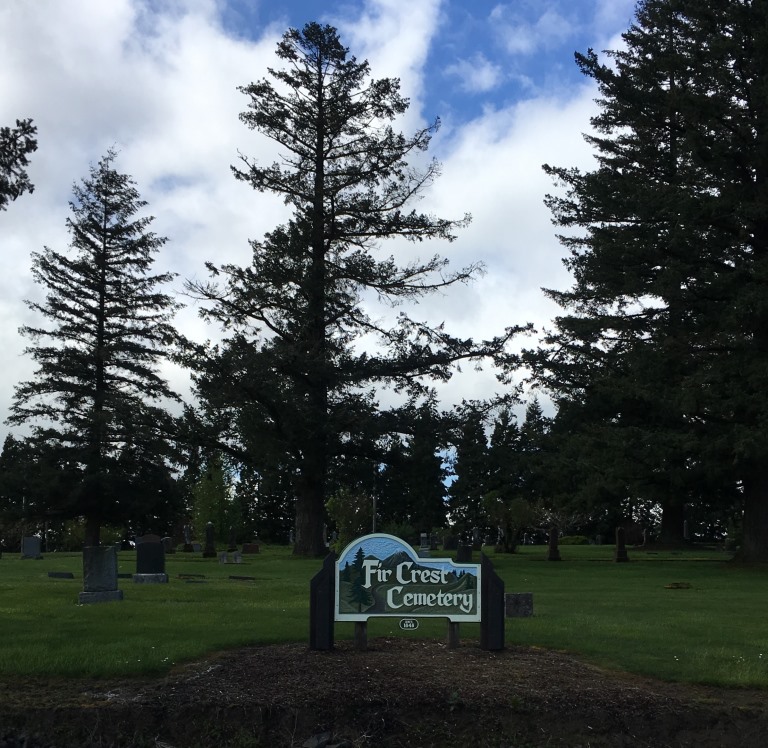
(409, 624)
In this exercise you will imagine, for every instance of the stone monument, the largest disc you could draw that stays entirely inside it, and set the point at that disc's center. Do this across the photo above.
(100, 575)
(210, 541)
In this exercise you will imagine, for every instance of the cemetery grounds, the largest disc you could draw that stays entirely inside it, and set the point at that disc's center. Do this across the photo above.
(670, 649)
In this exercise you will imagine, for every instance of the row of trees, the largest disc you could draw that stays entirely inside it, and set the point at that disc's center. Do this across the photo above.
(659, 362)
(657, 365)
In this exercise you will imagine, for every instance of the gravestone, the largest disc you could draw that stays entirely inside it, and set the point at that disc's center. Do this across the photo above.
(188, 548)
(99, 575)
(61, 575)
(553, 553)
(197, 547)
(150, 560)
(210, 541)
(424, 545)
(518, 604)
(30, 547)
(168, 545)
(232, 540)
(223, 557)
(477, 541)
(620, 554)
(250, 548)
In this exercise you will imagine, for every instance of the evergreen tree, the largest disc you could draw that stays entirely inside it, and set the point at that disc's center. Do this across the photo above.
(15, 145)
(665, 327)
(93, 400)
(293, 376)
(425, 473)
(471, 468)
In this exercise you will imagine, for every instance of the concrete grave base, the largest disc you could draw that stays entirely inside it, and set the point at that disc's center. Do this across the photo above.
(150, 578)
(100, 597)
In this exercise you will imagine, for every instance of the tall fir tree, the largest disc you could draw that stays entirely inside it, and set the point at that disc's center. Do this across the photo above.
(664, 330)
(95, 399)
(293, 375)
(471, 468)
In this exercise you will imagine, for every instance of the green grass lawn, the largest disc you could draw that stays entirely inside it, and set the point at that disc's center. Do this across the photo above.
(620, 616)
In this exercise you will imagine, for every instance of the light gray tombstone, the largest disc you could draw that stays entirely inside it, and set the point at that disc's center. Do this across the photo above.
(30, 547)
(100, 575)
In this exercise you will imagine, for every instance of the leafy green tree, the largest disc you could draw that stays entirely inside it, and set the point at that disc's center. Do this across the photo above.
(298, 372)
(15, 145)
(94, 400)
(352, 514)
(212, 499)
(664, 330)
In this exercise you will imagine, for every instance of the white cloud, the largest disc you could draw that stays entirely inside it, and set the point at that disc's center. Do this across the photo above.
(521, 36)
(158, 80)
(476, 75)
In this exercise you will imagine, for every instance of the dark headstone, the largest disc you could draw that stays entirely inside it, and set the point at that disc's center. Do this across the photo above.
(553, 552)
(30, 547)
(477, 540)
(100, 575)
(197, 547)
(150, 555)
(518, 604)
(210, 541)
(232, 540)
(168, 545)
(250, 548)
(620, 554)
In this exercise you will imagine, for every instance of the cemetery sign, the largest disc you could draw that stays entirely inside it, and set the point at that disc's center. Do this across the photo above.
(381, 575)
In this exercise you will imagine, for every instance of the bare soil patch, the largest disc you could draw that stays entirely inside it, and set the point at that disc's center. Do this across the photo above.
(400, 692)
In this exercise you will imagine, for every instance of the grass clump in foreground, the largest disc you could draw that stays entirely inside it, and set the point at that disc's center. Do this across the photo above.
(690, 616)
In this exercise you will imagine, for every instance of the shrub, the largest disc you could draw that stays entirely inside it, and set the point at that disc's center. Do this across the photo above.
(573, 540)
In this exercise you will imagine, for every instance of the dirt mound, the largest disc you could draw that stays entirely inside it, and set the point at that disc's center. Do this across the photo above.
(398, 693)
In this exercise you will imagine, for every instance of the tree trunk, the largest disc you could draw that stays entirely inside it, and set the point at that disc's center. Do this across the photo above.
(755, 545)
(310, 516)
(92, 531)
(672, 522)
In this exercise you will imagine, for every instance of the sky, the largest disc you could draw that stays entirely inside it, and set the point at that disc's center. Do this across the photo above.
(157, 81)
